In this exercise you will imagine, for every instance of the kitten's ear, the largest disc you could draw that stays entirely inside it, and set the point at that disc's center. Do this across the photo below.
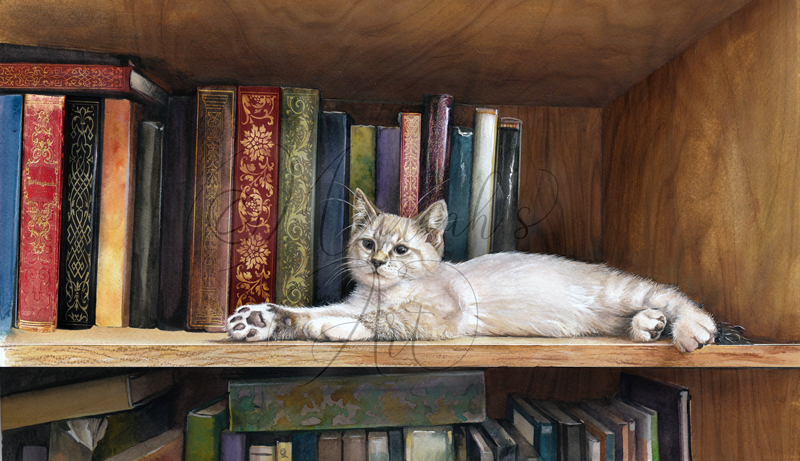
(364, 211)
(433, 222)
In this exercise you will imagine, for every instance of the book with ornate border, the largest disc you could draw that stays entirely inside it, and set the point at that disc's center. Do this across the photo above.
(410, 136)
(10, 175)
(40, 216)
(80, 213)
(96, 79)
(255, 207)
(294, 285)
(210, 256)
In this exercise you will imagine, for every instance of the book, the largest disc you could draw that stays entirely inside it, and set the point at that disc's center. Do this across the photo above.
(145, 261)
(354, 445)
(378, 446)
(362, 160)
(80, 213)
(571, 431)
(477, 446)
(592, 447)
(255, 208)
(652, 415)
(506, 194)
(127, 429)
(97, 79)
(75, 440)
(500, 443)
(210, 254)
(283, 448)
(396, 448)
(40, 212)
(294, 283)
(410, 151)
(460, 442)
(332, 213)
(414, 399)
(34, 453)
(437, 118)
(458, 190)
(330, 446)
(482, 184)
(622, 433)
(167, 446)
(204, 426)
(535, 427)
(387, 169)
(115, 230)
(644, 427)
(304, 446)
(232, 446)
(176, 207)
(604, 435)
(428, 443)
(525, 451)
(10, 176)
(96, 397)
(261, 453)
(672, 403)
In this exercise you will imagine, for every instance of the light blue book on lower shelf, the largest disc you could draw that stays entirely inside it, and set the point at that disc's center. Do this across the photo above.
(10, 174)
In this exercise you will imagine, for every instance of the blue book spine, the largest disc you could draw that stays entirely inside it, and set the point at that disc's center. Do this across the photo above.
(455, 238)
(304, 446)
(387, 169)
(10, 176)
(332, 211)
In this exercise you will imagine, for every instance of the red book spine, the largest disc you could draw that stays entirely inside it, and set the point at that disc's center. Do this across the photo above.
(435, 162)
(255, 210)
(65, 77)
(410, 137)
(40, 224)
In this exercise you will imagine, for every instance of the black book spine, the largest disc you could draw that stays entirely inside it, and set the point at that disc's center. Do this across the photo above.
(506, 196)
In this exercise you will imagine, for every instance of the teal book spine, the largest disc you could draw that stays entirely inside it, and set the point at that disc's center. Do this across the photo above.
(10, 175)
(363, 402)
(455, 236)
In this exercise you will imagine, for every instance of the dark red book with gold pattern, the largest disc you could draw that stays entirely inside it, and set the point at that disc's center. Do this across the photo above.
(40, 217)
(437, 118)
(410, 135)
(81, 78)
(210, 255)
(255, 208)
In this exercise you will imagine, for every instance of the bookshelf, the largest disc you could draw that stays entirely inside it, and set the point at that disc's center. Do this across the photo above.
(660, 138)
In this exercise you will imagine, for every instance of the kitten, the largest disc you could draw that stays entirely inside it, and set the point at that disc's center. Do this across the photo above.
(405, 291)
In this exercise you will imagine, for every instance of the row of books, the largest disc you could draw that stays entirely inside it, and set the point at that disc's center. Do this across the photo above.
(408, 416)
(122, 216)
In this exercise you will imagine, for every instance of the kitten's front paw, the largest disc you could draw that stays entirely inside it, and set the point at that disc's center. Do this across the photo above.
(255, 322)
(647, 325)
(693, 331)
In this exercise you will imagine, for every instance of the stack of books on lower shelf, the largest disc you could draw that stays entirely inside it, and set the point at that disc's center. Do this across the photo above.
(398, 416)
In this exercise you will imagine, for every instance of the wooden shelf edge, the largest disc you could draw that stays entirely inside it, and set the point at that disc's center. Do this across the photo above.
(110, 347)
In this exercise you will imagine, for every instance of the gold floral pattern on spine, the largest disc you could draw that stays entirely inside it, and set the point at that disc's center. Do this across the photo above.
(409, 174)
(296, 207)
(61, 76)
(256, 178)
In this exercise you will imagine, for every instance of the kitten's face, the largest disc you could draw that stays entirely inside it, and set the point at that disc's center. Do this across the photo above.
(385, 249)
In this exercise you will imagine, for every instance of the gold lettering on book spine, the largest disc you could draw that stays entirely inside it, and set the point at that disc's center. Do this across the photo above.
(78, 231)
(297, 174)
(257, 176)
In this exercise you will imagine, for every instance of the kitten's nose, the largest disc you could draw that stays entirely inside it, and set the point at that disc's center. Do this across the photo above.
(378, 259)
(377, 262)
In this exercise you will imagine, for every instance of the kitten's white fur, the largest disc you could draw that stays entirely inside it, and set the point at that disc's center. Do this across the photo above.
(412, 294)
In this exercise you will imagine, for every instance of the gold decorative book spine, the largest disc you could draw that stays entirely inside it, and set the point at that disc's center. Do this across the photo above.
(294, 283)
(40, 217)
(256, 204)
(210, 260)
(410, 139)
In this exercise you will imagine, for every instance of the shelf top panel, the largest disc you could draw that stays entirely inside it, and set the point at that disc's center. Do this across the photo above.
(129, 347)
(562, 52)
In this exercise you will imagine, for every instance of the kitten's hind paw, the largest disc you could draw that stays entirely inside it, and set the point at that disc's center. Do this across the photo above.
(255, 322)
(647, 325)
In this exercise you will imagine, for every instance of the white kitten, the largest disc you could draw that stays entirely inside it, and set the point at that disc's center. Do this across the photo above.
(404, 291)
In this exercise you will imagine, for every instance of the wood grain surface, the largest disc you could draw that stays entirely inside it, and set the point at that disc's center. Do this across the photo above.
(557, 52)
(702, 172)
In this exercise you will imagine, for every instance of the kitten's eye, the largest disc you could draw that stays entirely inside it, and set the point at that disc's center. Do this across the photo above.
(368, 244)
(401, 249)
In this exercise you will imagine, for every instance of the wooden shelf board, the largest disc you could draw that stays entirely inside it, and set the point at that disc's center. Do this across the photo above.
(156, 348)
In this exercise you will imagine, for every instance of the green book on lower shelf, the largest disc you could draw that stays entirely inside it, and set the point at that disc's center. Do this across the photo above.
(204, 426)
(336, 403)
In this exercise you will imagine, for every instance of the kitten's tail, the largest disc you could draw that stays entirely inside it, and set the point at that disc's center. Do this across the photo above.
(730, 335)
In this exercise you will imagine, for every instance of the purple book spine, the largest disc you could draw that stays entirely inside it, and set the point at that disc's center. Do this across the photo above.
(435, 162)
(233, 446)
(387, 170)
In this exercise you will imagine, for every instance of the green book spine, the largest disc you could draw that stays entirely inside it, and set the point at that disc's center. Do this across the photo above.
(362, 159)
(204, 426)
(295, 231)
(337, 403)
